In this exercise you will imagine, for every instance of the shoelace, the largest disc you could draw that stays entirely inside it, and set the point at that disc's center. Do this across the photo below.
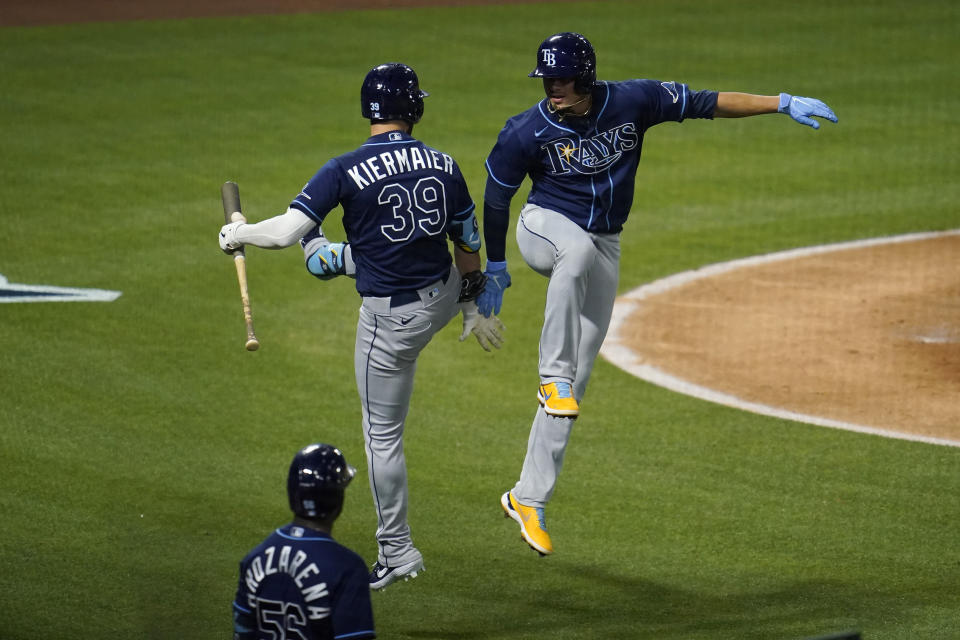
(563, 390)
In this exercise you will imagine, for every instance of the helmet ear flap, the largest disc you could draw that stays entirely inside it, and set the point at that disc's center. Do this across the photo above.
(316, 481)
(320, 505)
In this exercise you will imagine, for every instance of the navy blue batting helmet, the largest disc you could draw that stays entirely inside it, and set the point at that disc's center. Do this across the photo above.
(567, 55)
(318, 475)
(392, 91)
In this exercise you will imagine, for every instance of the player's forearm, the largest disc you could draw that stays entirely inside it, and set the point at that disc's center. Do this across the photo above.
(740, 105)
(277, 232)
(466, 262)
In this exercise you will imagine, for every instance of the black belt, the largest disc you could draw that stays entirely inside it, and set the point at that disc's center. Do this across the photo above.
(406, 297)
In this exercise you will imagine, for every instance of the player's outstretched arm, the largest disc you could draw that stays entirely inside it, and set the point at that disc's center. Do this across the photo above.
(732, 104)
(277, 232)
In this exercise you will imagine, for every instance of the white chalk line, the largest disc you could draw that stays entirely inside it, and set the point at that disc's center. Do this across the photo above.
(618, 353)
(14, 293)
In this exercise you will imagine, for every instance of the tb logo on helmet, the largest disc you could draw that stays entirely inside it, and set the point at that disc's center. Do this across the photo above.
(567, 55)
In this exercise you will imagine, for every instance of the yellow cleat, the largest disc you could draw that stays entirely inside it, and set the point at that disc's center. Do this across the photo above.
(533, 529)
(557, 399)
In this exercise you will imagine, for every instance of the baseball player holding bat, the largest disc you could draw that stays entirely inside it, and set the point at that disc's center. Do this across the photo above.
(401, 201)
(580, 146)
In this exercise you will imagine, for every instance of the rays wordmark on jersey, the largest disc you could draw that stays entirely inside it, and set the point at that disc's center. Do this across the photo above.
(591, 155)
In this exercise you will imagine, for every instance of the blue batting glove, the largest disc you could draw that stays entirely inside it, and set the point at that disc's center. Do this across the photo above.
(491, 298)
(327, 261)
(800, 109)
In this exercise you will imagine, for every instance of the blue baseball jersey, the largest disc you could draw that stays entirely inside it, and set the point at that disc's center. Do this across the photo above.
(301, 583)
(400, 200)
(585, 167)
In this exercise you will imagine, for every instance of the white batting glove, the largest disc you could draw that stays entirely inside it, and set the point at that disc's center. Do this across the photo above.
(488, 331)
(228, 237)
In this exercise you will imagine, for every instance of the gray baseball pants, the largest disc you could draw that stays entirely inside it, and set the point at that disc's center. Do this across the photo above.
(583, 268)
(389, 340)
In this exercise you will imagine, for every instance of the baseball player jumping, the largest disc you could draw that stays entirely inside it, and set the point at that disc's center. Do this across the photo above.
(580, 146)
(299, 582)
(401, 201)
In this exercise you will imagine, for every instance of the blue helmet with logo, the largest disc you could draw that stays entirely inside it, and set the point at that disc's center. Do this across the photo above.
(392, 91)
(318, 475)
(567, 55)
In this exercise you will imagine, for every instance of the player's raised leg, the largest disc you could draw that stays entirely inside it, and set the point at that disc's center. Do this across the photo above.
(554, 246)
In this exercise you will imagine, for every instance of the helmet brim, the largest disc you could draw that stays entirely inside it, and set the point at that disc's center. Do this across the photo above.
(552, 73)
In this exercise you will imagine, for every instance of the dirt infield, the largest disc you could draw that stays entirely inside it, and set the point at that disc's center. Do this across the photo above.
(868, 335)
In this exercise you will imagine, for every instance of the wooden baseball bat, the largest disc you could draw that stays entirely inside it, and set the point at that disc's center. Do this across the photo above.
(230, 194)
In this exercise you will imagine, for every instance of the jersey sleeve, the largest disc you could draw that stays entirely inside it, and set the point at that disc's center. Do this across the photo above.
(322, 193)
(244, 620)
(668, 101)
(701, 104)
(506, 168)
(507, 164)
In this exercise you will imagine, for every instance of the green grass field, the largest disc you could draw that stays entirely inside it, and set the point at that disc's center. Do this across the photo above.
(143, 451)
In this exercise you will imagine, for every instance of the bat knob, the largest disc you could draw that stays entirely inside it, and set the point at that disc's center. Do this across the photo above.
(253, 344)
